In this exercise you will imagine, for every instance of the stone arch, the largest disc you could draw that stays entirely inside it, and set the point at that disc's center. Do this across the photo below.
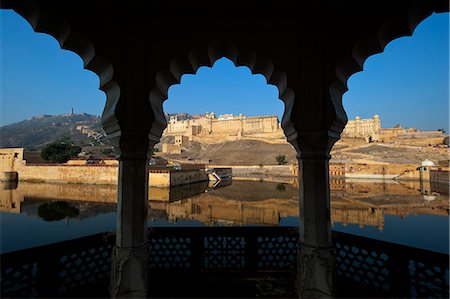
(374, 43)
(61, 31)
(197, 58)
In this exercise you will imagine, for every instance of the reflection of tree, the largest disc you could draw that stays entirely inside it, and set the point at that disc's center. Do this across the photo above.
(56, 211)
(281, 188)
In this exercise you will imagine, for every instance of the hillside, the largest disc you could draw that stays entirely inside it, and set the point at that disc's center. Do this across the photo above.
(256, 152)
(241, 152)
(37, 131)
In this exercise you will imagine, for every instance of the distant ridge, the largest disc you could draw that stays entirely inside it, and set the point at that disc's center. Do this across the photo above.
(37, 131)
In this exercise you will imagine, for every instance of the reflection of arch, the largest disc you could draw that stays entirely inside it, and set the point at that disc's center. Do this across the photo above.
(59, 29)
(374, 43)
(206, 57)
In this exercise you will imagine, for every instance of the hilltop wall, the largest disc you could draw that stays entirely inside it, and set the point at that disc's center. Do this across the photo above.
(227, 126)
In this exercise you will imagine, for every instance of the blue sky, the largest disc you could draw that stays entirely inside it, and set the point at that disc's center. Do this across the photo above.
(407, 84)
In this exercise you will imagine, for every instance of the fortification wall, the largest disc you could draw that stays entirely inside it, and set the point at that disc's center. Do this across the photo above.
(76, 174)
(256, 170)
(229, 126)
(187, 176)
(10, 159)
(254, 125)
(377, 171)
(440, 176)
(205, 126)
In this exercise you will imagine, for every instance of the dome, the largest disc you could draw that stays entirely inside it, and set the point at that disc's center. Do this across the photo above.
(357, 118)
(427, 163)
(376, 116)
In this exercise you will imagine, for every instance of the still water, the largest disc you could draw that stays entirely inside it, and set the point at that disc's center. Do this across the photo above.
(34, 214)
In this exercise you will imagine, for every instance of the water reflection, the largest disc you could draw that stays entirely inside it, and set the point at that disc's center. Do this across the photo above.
(374, 207)
(58, 210)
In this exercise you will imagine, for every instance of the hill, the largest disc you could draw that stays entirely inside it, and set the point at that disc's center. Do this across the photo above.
(37, 131)
(239, 152)
(347, 150)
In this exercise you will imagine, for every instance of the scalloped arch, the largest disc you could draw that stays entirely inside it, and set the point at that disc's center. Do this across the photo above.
(400, 26)
(75, 42)
(197, 58)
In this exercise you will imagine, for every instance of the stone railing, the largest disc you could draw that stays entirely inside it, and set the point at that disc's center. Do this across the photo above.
(364, 267)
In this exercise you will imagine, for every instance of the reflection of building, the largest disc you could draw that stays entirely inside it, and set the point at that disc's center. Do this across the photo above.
(362, 203)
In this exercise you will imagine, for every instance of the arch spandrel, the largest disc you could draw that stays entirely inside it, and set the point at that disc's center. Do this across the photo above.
(408, 16)
(57, 27)
(197, 58)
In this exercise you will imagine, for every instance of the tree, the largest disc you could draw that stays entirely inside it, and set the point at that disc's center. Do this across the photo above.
(281, 159)
(60, 151)
(442, 130)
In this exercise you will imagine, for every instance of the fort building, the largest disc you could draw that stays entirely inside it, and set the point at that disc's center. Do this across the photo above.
(369, 129)
(227, 124)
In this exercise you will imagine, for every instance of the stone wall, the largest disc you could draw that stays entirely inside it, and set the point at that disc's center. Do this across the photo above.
(77, 172)
(440, 176)
(377, 171)
(10, 159)
(229, 126)
(424, 137)
(183, 177)
(168, 148)
(245, 171)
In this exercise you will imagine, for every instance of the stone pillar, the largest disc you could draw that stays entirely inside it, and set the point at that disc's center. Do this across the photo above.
(316, 250)
(130, 255)
(128, 120)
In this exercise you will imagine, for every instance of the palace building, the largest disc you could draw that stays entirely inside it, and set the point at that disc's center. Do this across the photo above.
(227, 124)
(370, 129)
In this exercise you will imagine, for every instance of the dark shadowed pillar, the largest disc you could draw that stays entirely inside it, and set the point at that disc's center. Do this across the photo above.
(126, 119)
(130, 255)
(316, 250)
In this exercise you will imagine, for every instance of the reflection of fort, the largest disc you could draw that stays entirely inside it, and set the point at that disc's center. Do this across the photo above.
(242, 202)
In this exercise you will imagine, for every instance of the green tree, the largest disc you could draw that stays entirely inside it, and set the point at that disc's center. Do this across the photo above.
(60, 151)
(281, 159)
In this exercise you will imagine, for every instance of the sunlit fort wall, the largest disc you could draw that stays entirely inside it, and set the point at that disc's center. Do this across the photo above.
(241, 125)
(227, 124)
(370, 129)
(13, 166)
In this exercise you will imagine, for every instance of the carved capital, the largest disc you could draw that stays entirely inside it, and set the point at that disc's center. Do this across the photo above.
(129, 272)
(131, 145)
(315, 266)
(314, 145)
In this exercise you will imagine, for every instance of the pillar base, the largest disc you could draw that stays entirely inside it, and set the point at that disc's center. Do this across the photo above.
(129, 272)
(315, 268)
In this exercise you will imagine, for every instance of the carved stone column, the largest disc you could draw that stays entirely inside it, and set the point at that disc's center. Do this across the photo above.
(127, 120)
(316, 250)
(130, 255)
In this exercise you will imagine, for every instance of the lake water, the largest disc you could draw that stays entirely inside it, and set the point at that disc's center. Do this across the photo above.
(406, 213)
